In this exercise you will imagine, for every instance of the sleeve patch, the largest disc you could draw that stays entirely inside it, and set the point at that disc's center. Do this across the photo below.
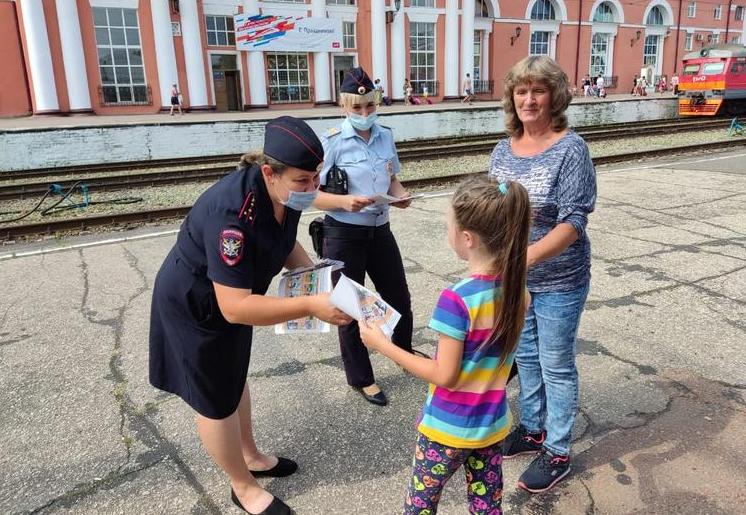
(231, 246)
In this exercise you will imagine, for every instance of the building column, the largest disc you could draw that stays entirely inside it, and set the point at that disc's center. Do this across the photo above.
(610, 55)
(553, 45)
(399, 48)
(485, 55)
(467, 38)
(39, 57)
(378, 43)
(72, 55)
(195, 64)
(452, 80)
(165, 55)
(257, 77)
(321, 73)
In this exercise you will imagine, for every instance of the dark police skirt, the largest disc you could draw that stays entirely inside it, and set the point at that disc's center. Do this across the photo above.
(194, 352)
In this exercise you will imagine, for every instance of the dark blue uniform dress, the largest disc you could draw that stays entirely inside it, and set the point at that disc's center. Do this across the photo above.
(232, 238)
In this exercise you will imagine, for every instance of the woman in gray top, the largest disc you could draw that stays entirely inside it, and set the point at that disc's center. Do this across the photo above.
(554, 165)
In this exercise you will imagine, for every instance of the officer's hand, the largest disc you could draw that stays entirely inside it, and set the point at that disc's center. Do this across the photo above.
(325, 310)
(372, 335)
(404, 203)
(355, 203)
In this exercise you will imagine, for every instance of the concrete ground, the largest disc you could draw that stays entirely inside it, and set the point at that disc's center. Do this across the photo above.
(52, 121)
(661, 357)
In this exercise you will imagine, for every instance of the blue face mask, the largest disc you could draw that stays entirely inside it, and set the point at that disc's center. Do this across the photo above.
(362, 123)
(298, 200)
(301, 200)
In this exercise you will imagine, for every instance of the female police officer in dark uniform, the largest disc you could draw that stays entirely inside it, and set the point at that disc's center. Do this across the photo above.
(357, 232)
(210, 292)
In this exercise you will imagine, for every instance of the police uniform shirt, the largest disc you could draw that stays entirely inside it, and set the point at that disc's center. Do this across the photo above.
(232, 232)
(369, 166)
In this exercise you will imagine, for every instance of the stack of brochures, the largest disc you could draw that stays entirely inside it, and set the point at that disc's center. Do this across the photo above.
(310, 280)
(354, 299)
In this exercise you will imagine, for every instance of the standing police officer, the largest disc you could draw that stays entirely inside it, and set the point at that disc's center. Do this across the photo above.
(210, 291)
(361, 161)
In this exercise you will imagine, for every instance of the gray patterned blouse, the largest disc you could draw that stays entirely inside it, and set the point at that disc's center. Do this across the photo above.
(561, 183)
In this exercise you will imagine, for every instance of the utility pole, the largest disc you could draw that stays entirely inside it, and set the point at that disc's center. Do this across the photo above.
(727, 20)
(577, 46)
(678, 32)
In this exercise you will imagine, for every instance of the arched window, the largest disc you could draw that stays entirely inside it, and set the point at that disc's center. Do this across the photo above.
(543, 10)
(604, 13)
(481, 10)
(655, 16)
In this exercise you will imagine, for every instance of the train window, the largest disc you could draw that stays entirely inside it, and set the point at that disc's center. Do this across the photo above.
(738, 68)
(691, 69)
(713, 68)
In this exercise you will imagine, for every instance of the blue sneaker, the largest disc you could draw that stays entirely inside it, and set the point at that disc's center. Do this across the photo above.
(545, 471)
(520, 441)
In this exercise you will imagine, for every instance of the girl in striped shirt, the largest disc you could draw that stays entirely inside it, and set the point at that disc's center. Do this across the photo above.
(479, 320)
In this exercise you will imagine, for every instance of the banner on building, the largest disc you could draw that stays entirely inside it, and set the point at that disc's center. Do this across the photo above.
(288, 33)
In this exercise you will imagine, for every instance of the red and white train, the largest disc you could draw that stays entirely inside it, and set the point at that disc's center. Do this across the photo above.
(713, 82)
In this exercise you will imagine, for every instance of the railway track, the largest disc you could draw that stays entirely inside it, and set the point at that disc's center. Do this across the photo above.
(118, 176)
(52, 226)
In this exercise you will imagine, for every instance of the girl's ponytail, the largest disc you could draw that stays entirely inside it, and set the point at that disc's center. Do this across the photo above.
(516, 211)
(500, 213)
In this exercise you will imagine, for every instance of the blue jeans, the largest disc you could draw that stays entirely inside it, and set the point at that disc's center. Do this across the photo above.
(546, 366)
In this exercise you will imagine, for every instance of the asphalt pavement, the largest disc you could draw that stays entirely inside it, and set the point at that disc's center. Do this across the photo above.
(661, 358)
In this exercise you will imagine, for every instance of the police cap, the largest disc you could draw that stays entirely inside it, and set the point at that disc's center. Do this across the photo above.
(357, 82)
(292, 142)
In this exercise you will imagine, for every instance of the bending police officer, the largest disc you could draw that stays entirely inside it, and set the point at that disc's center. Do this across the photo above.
(361, 161)
(210, 291)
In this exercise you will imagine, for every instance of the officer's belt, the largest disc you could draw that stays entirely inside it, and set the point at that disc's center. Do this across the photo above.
(355, 233)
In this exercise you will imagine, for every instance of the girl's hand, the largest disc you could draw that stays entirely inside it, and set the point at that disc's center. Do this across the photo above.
(372, 335)
(324, 310)
(354, 204)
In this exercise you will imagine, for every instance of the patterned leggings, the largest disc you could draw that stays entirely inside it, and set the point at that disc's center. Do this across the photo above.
(434, 464)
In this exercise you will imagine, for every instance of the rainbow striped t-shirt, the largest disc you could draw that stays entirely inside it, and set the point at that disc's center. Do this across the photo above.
(474, 413)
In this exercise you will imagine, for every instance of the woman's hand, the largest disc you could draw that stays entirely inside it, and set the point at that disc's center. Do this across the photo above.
(355, 203)
(397, 190)
(324, 310)
(404, 204)
(372, 335)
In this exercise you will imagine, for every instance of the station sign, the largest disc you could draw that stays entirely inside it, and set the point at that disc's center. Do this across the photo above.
(288, 33)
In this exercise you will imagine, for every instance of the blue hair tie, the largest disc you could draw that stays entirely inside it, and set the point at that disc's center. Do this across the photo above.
(503, 187)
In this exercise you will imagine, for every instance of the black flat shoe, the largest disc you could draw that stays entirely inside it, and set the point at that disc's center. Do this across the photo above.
(378, 399)
(276, 507)
(284, 468)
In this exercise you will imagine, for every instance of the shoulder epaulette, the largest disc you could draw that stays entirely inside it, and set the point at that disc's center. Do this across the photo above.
(332, 131)
(247, 213)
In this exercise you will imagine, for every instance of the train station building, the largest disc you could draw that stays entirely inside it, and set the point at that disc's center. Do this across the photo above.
(124, 56)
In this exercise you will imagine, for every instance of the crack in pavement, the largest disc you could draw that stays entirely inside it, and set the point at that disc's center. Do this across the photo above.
(622, 204)
(81, 490)
(140, 427)
(737, 241)
(654, 274)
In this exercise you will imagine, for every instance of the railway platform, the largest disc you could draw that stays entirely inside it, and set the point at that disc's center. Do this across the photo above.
(49, 122)
(53, 142)
(663, 389)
